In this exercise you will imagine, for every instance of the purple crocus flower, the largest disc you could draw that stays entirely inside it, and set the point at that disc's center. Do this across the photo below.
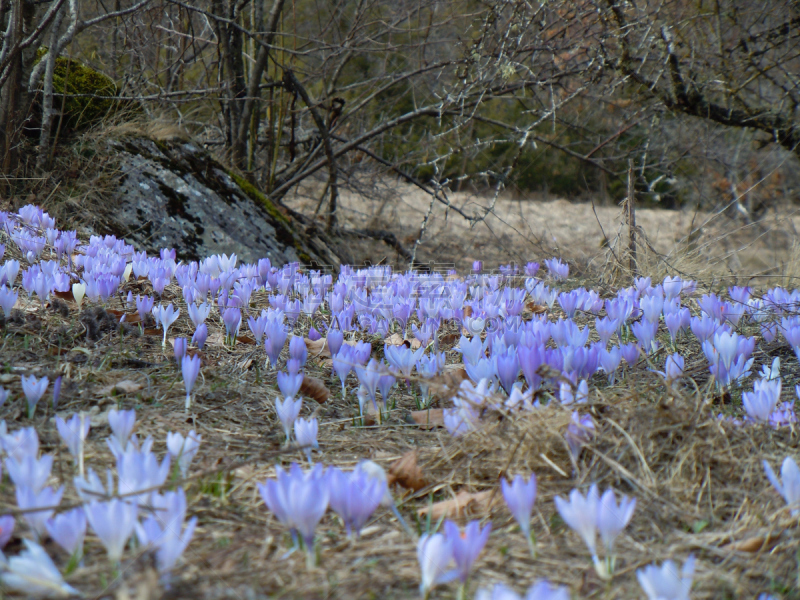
(298, 350)
(354, 496)
(288, 410)
(557, 269)
(8, 298)
(29, 471)
(289, 383)
(645, 331)
(28, 499)
(232, 318)
(520, 497)
(73, 433)
(673, 369)
(434, 554)
(299, 500)
(200, 336)
(198, 313)
(788, 485)
(56, 392)
(611, 520)
(580, 431)
(467, 546)
(630, 352)
(508, 366)
(139, 471)
(667, 582)
(305, 432)
(68, 530)
(179, 347)
(113, 523)
(385, 384)
(368, 377)
(165, 316)
(314, 335)
(402, 358)
(580, 514)
(164, 530)
(33, 574)
(122, 423)
(334, 340)
(6, 529)
(343, 363)
(275, 338)
(190, 369)
(21, 443)
(183, 449)
(33, 389)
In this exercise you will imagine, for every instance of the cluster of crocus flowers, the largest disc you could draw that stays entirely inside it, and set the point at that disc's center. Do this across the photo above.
(587, 515)
(451, 555)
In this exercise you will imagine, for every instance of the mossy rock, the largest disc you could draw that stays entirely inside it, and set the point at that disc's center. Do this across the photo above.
(73, 77)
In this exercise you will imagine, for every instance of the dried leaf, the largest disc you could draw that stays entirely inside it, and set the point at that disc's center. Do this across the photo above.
(536, 309)
(126, 386)
(450, 339)
(467, 310)
(752, 544)
(406, 472)
(465, 503)
(65, 295)
(314, 388)
(428, 419)
(397, 340)
(245, 339)
(318, 348)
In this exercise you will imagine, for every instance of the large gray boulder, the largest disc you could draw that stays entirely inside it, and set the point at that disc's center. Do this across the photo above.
(175, 195)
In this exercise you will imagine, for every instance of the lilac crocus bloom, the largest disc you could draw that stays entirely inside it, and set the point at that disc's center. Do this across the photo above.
(467, 546)
(630, 352)
(288, 410)
(667, 582)
(198, 313)
(609, 360)
(556, 268)
(368, 376)
(580, 514)
(164, 530)
(8, 298)
(138, 472)
(484, 368)
(144, 305)
(4, 394)
(354, 496)
(33, 574)
(761, 402)
(56, 392)
(507, 368)
(33, 389)
(183, 449)
(113, 522)
(520, 497)
(580, 431)
(190, 369)
(122, 423)
(73, 433)
(21, 443)
(298, 350)
(179, 347)
(645, 332)
(299, 498)
(343, 363)
(232, 318)
(541, 590)
(6, 529)
(402, 358)
(611, 520)
(274, 339)
(68, 530)
(30, 472)
(434, 554)
(165, 316)
(28, 499)
(789, 484)
(289, 384)
(673, 369)
(200, 336)
(305, 432)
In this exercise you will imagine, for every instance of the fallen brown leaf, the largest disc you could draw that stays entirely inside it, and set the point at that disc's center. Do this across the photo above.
(398, 340)
(536, 309)
(318, 348)
(406, 472)
(315, 388)
(428, 419)
(65, 295)
(752, 544)
(465, 503)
